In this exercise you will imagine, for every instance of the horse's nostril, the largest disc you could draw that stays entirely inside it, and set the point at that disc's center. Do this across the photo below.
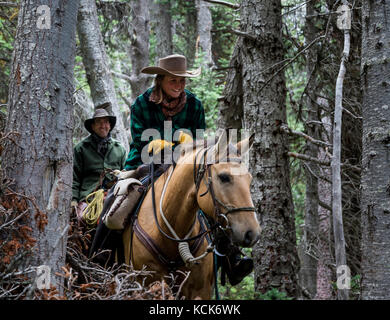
(248, 238)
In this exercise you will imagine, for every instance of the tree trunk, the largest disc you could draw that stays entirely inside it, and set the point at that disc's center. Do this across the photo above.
(204, 24)
(276, 258)
(324, 265)
(230, 105)
(337, 212)
(97, 66)
(308, 245)
(189, 30)
(40, 109)
(161, 16)
(375, 70)
(139, 49)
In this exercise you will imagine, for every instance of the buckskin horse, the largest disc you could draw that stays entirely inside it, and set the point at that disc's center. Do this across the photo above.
(168, 215)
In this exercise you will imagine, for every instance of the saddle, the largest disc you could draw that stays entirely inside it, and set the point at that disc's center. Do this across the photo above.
(120, 209)
(122, 203)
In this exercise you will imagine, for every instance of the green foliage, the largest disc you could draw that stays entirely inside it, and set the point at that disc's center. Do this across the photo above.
(354, 292)
(243, 291)
(273, 294)
(223, 41)
(206, 89)
(295, 75)
(8, 19)
(355, 287)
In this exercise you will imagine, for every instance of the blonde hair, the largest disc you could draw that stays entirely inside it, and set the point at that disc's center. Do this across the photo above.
(157, 88)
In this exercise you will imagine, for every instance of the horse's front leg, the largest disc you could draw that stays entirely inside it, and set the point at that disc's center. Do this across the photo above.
(200, 282)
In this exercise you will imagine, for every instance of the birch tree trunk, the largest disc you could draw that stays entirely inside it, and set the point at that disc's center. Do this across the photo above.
(139, 49)
(40, 109)
(204, 24)
(97, 67)
(337, 213)
(375, 70)
(276, 258)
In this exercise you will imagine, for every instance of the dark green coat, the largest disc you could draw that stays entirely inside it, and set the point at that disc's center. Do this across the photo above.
(88, 164)
(146, 114)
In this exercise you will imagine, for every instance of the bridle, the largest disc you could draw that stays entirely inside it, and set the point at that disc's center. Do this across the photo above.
(199, 174)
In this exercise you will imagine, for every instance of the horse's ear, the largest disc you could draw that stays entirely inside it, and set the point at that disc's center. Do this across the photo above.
(244, 145)
(222, 143)
(218, 151)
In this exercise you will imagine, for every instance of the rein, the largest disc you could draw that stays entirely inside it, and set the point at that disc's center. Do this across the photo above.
(200, 174)
(156, 220)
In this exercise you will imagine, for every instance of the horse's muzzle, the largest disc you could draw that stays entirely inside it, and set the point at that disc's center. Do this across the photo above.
(250, 238)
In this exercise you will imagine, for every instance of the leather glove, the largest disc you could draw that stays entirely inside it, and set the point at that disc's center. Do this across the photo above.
(184, 138)
(124, 174)
(157, 145)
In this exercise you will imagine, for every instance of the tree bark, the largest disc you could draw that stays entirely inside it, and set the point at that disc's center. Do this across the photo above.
(230, 106)
(161, 16)
(276, 258)
(375, 70)
(97, 67)
(308, 245)
(337, 213)
(139, 49)
(324, 265)
(204, 24)
(189, 30)
(40, 109)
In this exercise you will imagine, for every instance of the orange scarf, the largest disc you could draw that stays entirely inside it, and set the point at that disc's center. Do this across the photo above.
(172, 107)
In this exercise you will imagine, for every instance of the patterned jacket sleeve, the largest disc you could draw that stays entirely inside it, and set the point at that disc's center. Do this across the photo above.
(137, 123)
(199, 118)
(137, 126)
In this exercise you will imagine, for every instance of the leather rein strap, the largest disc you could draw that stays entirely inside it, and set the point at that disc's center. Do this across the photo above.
(156, 250)
(200, 174)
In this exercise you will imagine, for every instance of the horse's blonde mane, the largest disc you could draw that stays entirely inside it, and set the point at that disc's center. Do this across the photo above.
(199, 145)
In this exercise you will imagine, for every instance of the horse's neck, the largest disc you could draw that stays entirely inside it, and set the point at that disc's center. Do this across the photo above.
(179, 203)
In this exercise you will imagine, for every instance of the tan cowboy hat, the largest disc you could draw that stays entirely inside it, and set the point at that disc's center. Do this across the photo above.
(99, 113)
(175, 65)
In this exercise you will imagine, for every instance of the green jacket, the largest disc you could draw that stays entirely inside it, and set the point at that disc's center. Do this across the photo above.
(88, 165)
(146, 114)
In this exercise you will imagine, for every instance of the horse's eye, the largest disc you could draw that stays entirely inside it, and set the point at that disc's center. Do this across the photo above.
(224, 177)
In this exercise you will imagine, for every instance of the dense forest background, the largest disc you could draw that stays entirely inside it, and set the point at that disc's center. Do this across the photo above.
(314, 93)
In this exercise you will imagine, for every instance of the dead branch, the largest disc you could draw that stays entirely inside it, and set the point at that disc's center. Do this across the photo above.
(224, 3)
(289, 131)
(9, 4)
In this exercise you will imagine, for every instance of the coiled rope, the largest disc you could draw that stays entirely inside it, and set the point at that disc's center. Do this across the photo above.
(94, 207)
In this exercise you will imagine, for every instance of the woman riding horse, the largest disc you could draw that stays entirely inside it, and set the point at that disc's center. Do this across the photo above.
(169, 105)
(168, 100)
(212, 179)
